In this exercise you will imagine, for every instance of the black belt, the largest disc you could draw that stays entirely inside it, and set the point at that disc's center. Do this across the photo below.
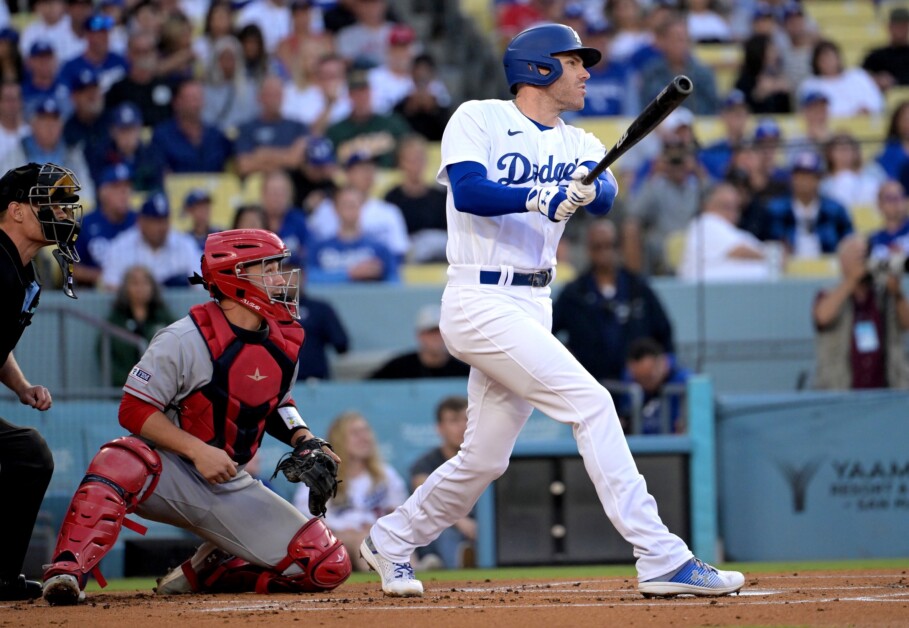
(539, 279)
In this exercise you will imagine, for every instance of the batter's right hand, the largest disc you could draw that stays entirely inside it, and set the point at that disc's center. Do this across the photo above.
(214, 464)
(551, 201)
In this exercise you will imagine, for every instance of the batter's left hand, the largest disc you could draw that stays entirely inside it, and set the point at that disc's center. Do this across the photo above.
(578, 193)
(38, 397)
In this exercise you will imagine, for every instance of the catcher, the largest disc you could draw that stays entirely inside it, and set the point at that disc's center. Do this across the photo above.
(198, 404)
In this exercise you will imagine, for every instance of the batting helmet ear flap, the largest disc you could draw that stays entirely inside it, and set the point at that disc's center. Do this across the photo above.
(535, 47)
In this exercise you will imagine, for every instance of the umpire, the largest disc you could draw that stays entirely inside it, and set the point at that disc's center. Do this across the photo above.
(38, 207)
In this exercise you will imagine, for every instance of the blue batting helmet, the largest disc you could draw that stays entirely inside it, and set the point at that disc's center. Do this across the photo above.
(533, 49)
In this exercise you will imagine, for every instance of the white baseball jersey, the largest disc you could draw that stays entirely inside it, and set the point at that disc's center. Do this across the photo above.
(515, 152)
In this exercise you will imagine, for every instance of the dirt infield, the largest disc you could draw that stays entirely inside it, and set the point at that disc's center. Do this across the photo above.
(847, 598)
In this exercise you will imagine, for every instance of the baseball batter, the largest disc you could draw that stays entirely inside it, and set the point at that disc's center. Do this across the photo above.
(513, 171)
(200, 400)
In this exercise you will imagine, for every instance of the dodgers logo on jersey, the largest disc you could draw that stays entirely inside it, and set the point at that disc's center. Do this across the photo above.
(518, 169)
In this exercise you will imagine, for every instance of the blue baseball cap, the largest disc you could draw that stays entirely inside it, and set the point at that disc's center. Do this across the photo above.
(85, 78)
(48, 107)
(809, 98)
(762, 10)
(808, 161)
(9, 34)
(767, 128)
(39, 48)
(155, 206)
(358, 157)
(600, 26)
(320, 151)
(99, 22)
(126, 114)
(195, 196)
(735, 98)
(573, 10)
(114, 174)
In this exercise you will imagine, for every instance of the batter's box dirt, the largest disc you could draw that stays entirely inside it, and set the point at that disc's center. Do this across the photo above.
(848, 598)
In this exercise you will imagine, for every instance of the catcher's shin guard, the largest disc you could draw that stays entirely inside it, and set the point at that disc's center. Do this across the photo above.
(120, 477)
(321, 556)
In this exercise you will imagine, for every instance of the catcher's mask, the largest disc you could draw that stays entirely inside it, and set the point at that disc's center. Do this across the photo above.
(52, 194)
(247, 266)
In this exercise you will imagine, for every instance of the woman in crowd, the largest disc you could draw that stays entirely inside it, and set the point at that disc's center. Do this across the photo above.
(766, 88)
(850, 91)
(896, 146)
(848, 180)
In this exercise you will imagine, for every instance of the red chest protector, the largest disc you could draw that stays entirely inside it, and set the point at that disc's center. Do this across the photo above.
(249, 378)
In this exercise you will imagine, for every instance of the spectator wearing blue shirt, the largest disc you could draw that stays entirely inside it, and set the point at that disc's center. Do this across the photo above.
(349, 256)
(98, 57)
(896, 147)
(323, 329)
(41, 80)
(662, 382)
(197, 206)
(124, 145)
(610, 89)
(270, 140)
(717, 157)
(808, 224)
(284, 219)
(87, 126)
(111, 217)
(185, 142)
(894, 235)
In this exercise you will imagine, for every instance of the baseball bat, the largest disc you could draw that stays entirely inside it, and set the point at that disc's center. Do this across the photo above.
(655, 112)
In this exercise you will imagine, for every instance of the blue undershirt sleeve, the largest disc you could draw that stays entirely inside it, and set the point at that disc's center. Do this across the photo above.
(475, 194)
(605, 196)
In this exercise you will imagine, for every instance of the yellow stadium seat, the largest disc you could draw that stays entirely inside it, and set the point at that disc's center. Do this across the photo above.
(674, 248)
(251, 188)
(866, 218)
(424, 274)
(20, 20)
(225, 190)
(720, 55)
(840, 11)
(824, 266)
(482, 12)
(896, 95)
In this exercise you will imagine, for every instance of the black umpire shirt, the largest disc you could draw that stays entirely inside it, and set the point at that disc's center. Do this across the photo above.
(20, 289)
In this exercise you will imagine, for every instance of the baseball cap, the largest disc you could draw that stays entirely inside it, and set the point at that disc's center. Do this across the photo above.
(47, 107)
(195, 196)
(598, 27)
(99, 22)
(767, 128)
(678, 118)
(358, 157)
(126, 114)
(155, 206)
(357, 78)
(428, 317)
(39, 48)
(85, 78)
(899, 15)
(791, 9)
(9, 34)
(807, 161)
(320, 151)
(301, 4)
(401, 35)
(809, 98)
(735, 98)
(573, 10)
(114, 174)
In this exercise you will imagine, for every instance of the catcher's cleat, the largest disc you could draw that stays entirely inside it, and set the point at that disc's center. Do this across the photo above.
(63, 590)
(190, 576)
(397, 578)
(693, 578)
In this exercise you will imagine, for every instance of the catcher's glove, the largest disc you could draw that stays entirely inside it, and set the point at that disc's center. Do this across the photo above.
(307, 463)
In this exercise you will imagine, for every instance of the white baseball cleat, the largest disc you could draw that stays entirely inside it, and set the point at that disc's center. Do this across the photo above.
(397, 578)
(693, 578)
(190, 576)
(63, 590)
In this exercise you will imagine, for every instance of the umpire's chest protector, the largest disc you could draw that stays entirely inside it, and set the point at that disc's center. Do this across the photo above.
(250, 377)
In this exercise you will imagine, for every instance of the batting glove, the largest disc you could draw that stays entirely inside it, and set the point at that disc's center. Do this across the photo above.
(581, 194)
(551, 201)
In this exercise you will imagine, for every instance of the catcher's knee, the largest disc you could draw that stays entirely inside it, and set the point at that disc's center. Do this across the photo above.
(322, 558)
(120, 477)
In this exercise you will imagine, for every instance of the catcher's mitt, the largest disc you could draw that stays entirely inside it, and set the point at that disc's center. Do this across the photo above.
(307, 463)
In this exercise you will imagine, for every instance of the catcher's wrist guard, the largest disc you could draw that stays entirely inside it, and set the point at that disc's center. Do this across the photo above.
(307, 463)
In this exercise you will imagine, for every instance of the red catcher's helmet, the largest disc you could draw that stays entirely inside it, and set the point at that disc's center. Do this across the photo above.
(233, 266)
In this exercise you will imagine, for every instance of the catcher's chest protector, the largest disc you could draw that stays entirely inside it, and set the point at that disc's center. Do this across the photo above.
(248, 381)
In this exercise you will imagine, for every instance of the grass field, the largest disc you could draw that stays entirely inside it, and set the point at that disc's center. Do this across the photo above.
(569, 572)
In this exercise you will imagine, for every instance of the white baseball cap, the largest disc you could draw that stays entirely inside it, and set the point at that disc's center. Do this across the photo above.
(428, 317)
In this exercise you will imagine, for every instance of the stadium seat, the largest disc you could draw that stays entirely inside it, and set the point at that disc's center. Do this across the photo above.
(824, 266)
(225, 190)
(866, 218)
(896, 95)
(424, 274)
(674, 248)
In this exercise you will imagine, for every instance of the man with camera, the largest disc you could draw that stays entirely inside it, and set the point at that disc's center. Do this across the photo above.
(859, 324)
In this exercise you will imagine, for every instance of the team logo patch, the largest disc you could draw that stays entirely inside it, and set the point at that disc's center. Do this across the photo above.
(139, 374)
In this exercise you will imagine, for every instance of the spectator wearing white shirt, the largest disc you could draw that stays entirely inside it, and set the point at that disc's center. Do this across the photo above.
(393, 80)
(12, 126)
(379, 220)
(52, 24)
(322, 103)
(271, 16)
(850, 91)
(705, 24)
(366, 41)
(717, 250)
(171, 256)
(848, 180)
